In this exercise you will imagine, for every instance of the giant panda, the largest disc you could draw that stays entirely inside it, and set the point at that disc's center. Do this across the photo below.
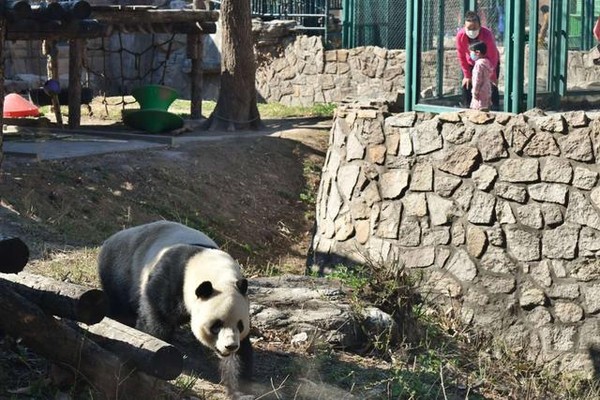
(164, 274)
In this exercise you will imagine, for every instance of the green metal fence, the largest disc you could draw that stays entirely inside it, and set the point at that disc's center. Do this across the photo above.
(374, 23)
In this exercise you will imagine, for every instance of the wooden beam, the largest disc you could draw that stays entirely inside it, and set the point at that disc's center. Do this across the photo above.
(113, 15)
(52, 339)
(39, 30)
(147, 353)
(14, 253)
(63, 299)
(76, 49)
(194, 52)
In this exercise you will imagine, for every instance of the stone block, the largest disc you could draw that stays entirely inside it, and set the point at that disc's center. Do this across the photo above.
(585, 270)
(445, 185)
(568, 312)
(442, 283)
(504, 213)
(496, 260)
(511, 192)
(461, 161)
(499, 284)
(457, 133)
(539, 316)
(418, 258)
(564, 291)
(491, 145)
(577, 145)
(462, 267)
(549, 192)
(532, 297)
(581, 211)
(346, 178)
(426, 137)
(410, 233)
(415, 204)
(530, 215)
(552, 214)
(484, 177)
(523, 244)
(476, 241)
(589, 242)
(584, 178)
(552, 123)
(393, 183)
(557, 170)
(422, 178)
(440, 210)
(595, 197)
(542, 144)
(591, 294)
(481, 210)
(389, 220)
(561, 242)
(519, 170)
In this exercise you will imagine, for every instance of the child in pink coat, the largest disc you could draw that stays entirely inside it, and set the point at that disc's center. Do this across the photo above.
(483, 74)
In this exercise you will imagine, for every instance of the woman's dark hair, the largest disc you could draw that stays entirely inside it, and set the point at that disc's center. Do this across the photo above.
(478, 46)
(544, 9)
(471, 16)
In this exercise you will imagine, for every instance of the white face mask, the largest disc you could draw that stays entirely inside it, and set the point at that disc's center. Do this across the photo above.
(472, 34)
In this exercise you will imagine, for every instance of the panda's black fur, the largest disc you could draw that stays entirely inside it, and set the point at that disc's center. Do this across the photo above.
(161, 274)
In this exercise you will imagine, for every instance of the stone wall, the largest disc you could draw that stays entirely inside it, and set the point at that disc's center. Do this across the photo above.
(304, 73)
(497, 215)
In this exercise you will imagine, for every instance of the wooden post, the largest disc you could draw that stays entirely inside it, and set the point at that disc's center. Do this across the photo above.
(194, 52)
(2, 36)
(14, 253)
(76, 48)
(51, 338)
(50, 50)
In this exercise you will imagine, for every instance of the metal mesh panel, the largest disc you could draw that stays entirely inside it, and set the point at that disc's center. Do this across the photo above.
(375, 23)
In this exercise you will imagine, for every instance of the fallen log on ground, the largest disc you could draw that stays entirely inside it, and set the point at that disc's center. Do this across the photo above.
(63, 299)
(147, 353)
(14, 255)
(51, 338)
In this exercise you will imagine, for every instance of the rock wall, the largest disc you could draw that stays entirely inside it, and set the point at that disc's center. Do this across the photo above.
(497, 215)
(304, 73)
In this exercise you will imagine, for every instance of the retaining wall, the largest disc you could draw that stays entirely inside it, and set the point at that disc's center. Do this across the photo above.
(497, 214)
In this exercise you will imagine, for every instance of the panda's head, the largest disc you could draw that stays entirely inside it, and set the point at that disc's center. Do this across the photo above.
(219, 306)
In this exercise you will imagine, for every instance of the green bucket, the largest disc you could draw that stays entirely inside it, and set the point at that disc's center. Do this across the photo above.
(152, 121)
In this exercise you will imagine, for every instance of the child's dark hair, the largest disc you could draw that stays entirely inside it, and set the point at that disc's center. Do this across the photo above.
(544, 9)
(478, 46)
(471, 16)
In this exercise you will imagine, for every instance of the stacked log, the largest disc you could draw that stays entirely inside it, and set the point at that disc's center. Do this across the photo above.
(67, 324)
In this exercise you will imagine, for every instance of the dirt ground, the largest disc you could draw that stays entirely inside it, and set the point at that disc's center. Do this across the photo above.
(255, 196)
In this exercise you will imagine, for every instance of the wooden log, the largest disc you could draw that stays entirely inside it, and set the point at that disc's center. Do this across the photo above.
(126, 15)
(147, 353)
(55, 30)
(14, 253)
(56, 341)
(76, 49)
(194, 52)
(50, 50)
(63, 299)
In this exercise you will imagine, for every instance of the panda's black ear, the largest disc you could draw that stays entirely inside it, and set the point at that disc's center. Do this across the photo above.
(242, 285)
(204, 290)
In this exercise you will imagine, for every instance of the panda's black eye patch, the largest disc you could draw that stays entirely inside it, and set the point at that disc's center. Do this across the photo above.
(216, 327)
(240, 326)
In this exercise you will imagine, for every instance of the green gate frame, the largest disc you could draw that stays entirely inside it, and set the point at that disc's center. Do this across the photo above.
(515, 98)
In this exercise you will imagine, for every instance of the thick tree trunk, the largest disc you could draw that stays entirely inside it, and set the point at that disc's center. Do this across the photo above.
(236, 107)
(2, 37)
(63, 299)
(51, 338)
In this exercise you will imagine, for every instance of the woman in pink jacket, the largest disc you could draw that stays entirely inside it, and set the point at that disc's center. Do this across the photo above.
(483, 71)
(473, 32)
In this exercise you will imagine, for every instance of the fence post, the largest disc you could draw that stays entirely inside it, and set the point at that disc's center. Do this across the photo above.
(533, 54)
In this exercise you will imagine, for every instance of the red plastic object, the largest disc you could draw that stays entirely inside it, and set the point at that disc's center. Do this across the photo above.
(17, 106)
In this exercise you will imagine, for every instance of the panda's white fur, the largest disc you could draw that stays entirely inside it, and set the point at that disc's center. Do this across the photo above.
(164, 273)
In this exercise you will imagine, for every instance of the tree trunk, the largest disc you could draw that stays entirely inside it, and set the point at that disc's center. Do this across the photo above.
(236, 107)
